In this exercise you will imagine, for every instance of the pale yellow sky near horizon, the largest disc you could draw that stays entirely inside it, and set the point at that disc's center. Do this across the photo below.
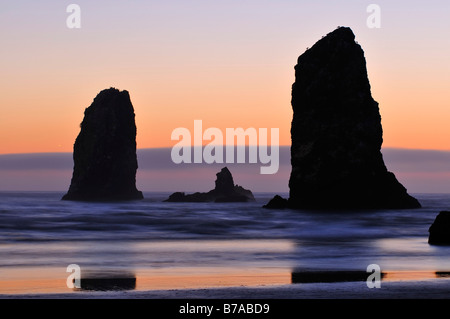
(229, 64)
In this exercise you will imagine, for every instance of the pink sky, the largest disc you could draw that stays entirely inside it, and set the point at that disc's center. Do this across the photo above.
(228, 63)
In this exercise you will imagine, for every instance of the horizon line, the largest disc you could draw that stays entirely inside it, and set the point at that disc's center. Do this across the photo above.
(268, 145)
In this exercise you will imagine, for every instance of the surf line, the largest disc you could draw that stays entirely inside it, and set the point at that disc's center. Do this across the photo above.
(213, 152)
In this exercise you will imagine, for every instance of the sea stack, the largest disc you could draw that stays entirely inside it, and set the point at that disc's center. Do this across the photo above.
(104, 153)
(336, 132)
(224, 191)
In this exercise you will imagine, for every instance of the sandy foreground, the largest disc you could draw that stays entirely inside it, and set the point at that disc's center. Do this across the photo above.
(426, 289)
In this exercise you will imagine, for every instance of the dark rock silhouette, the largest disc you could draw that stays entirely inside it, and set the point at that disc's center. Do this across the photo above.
(277, 202)
(104, 154)
(336, 132)
(225, 191)
(440, 229)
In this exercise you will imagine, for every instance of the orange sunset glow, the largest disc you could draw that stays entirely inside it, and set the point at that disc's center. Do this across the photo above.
(203, 192)
(230, 65)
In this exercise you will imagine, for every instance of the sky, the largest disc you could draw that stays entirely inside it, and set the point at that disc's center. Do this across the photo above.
(420, 171)
(227, 63)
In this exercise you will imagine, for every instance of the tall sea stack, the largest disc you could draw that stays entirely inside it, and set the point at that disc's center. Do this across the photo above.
(336, 132)
(104, 153)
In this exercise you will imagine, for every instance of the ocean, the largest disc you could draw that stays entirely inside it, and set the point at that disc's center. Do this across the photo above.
(186, 245)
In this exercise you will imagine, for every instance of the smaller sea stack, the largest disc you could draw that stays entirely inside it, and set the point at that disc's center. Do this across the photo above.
(225, 191)
(104, 154)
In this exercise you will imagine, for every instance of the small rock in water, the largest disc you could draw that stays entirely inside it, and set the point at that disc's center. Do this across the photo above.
(440, 230)
(277, 202)
(225, 191)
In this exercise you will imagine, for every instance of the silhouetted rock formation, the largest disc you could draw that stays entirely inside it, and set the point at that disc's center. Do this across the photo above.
(277, 202)
(336, 132)
(104, 153)
(440, 230)
(225, 191)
